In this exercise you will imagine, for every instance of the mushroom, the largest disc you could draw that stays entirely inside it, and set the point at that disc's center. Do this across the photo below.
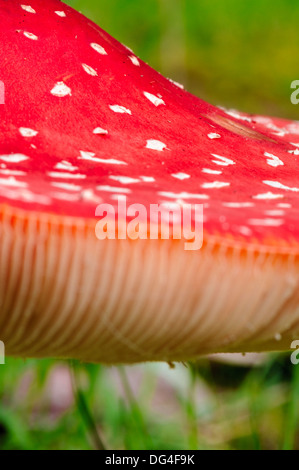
(86, 124)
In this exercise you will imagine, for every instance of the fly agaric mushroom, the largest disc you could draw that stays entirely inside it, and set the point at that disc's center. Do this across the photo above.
(86, 122)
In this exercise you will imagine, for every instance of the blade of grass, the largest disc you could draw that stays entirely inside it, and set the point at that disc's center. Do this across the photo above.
(135, 410)
(84, 410)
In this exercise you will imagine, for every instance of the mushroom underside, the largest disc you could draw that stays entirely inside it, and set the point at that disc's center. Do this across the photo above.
(66, 294)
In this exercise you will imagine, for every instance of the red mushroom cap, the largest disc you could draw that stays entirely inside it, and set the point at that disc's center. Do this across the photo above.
(85, 121)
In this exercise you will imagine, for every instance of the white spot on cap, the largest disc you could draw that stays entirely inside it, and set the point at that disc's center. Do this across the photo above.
(100, 131)
(284, 206)
(124, 179)
(113, 189)
(266, 222)
(245, 231)
(179, 85)
(155, 145)
(275, 213)
(118, 197)
(154, 99)
(214, 136)
(275, 184)
(134, 60)
(215, 185)
(181, 176)
(272, 160)
(11, 181)
(294, 152)
(14, 158)
(64, 165)
(120, 109)
(98, 48)
(63, 196)
(147, 179)
(12, 172)
(89, 196)
(60, 13)
(30, 36)
(61, 89)
(22, 194)
(28, 8)
(90, 70)
(238, 205)
(211, 172)
(26, 132)
(91, 157)
(268, 196)
(56, 174)
(182, 195)
(222, 161)
(128, 49)
(67, 186)
(235, 114)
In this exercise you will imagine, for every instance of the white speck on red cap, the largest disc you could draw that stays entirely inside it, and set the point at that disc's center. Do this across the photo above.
(61, 90)
(273, 160)
(182, 195)
(26, 132)
(28, 8)
(154, 99)
(238, 205)
(276, 184)
(120, 109)
(12, 182)
(98, 48)
(14, 158)
(91, 71)
(29, 35)
(64, 165)
(124, 179)
(215, 185)
(222, 161)
(134, 60)
(213, 135)
(266, 222)
(113, 189)
(64, 175)
(208, 171)
(100, 131)
(155, 145)
(62, 14)
(147, 179)
(181, 176)
(90, 156)
(268, 196)
(67, 186)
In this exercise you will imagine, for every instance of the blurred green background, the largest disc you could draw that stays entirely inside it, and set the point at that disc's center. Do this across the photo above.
(236, 53)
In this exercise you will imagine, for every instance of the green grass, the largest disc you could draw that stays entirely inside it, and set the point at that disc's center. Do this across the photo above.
(207, 405)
